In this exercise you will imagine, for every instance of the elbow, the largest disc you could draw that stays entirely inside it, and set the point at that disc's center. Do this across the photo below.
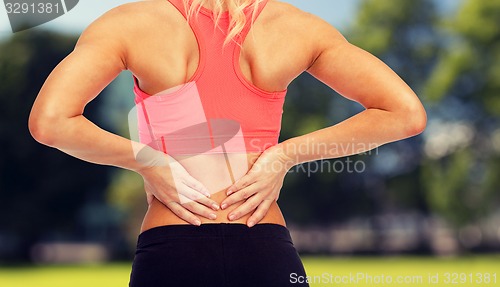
(415, 118)
(42, 128)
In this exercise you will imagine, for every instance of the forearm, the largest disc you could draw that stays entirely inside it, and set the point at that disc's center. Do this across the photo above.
(363, 132)
(79, 137)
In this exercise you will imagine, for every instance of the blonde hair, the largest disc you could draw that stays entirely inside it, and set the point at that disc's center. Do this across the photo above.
(236, 10)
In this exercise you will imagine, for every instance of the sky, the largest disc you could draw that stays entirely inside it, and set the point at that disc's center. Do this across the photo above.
(337, 12)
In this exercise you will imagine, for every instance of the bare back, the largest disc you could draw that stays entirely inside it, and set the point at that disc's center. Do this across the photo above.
(162, 52)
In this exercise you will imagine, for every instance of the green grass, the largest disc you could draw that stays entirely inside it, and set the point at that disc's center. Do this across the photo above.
(324, 271)
(416, 271)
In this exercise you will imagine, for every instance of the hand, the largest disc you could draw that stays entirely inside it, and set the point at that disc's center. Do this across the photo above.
(259, 187)
(173, 186)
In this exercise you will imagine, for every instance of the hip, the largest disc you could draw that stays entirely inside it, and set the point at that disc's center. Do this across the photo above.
(216, 255)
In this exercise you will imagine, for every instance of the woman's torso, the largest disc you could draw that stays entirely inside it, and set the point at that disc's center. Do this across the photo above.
(162, 52)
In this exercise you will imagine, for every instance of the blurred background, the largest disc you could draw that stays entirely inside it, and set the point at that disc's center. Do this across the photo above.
(430, 197)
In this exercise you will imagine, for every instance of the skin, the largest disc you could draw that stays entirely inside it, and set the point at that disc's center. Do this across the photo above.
(145, 37)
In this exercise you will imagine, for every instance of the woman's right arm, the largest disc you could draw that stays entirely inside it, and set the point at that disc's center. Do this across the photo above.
(392, 112)
(57, 118)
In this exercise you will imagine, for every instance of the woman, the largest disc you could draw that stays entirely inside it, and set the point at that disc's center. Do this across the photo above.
(209, 103)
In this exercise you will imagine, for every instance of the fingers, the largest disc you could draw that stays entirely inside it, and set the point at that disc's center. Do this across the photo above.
(191, 195)
(244, 209)
(199, 209)
(239, 195)
(196, 185)
(172, 203)
(188, 211)
(260, 212)
(241, 183)
(190, 187)
(183, 213)
(208, 203)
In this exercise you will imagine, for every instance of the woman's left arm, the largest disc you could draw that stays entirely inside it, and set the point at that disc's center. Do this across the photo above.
(392, 112)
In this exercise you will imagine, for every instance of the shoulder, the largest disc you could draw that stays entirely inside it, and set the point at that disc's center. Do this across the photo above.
(118, 29)
(127, 19)
(315, 33)
(141, 10)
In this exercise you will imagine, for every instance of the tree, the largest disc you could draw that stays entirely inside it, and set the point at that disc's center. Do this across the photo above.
(403, 34)
(461, 174)
(42, 190)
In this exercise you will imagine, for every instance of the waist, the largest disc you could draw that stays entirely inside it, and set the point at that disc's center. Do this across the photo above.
(216, 230)
(217, 172)
(159, 215)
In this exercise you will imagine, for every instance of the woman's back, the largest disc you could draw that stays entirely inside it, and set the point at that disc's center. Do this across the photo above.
(162, 51)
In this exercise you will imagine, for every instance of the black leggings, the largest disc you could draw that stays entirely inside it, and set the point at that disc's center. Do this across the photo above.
(218, 255)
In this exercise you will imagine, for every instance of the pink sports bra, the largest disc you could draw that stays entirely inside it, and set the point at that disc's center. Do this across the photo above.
(217, 110)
